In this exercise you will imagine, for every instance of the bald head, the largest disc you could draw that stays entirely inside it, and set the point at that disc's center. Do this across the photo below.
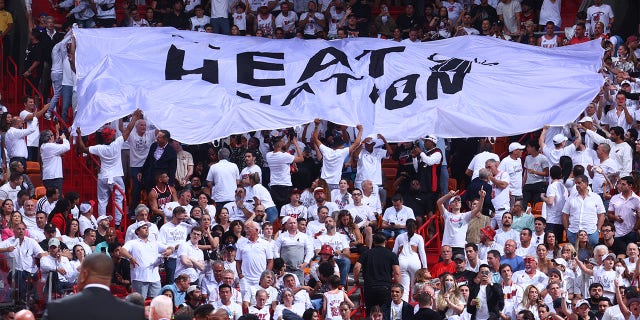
(24, 315)
(97, 268)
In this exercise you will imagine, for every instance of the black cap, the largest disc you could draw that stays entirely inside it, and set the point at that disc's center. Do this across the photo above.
(50, 227)
(459, 256)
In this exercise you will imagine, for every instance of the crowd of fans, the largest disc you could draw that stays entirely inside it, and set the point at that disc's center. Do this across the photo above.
(267, 223)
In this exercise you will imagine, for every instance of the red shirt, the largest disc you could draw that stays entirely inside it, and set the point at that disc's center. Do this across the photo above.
(440, 268)
(576, 40)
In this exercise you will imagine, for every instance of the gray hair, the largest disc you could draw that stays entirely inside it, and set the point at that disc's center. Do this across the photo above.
(223, 154)
(141, 207)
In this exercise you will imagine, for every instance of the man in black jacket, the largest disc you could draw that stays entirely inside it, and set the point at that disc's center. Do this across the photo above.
(396, 309)
(161, 158)
(486, 300)
(95, 301)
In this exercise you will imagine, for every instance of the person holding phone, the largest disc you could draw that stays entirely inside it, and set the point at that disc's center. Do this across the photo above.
(486, 299)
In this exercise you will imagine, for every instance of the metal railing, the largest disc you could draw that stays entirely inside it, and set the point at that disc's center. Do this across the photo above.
(117, 208)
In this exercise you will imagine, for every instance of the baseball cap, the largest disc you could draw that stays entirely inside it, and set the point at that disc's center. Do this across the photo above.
(53, 242)
(560, 262)
(625, 82)
(100, 218)
(513, 146)
(192, 288)
(326, 249)
(585, 119)
(582, 302)
(431, 138)
(559, 138)
(318, 189)
(230, 247)
(632, 38)
(489, 232)
(610, 255)
(459, 256)
(85, 207)
(50, 227)
(295, 191)
(141, 224)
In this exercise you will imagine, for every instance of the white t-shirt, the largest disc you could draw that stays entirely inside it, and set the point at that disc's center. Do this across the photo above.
(560, 193)
(294, 212)
(479, 161)
(173, 235)
(240, 20)
(500, 197)
(139, 147)
(33, 139)
(192, 251)
(455, 228)
(224, 175)
(513, 167)
(537, 163)
(51, 159)
(249, 170)
(110, 159)
(146, 254)
(279, 163)
(603, 14)
(312, 27)
(288, 23)
(332, 161)
(369, 167)
(254, 256)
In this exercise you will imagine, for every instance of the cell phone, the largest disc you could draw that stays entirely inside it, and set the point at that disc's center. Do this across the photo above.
(104, 250)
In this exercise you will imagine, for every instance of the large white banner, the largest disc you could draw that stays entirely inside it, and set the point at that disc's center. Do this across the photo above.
(203, 87)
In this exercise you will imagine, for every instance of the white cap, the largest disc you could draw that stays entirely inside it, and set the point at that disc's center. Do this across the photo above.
(431, 138)
(585, 119)
(560, 261)
(141, 224)
(625, 82)
(513, 146)
(100, 218)
(559, 138)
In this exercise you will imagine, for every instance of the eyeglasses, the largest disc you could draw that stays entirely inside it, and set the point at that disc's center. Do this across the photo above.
(356, 194)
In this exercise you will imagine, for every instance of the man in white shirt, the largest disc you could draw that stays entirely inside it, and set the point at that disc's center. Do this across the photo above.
(369, 157)
(30, 116)
(512, 165)
(600, 12)
(252, 167)
(140, 141)
(499, 181)
(253, 257)
(622, 211)
(603, 175)
(141, 214)
(295, 247)
(395, 218)
(583, 211)
(339, 244)
(333, 159)
(15, 140)
(111, 171)
(184, 200)
(29, 214)
(530, 275)
(233, 309)
(280, 161)
(621, 151)
(144, 258)
(294, 209)
(23, 251)
(560, 147)
(319, 195)
(223, 177)
(242, 208)
(57, 265)
(10, 189)
(190, 258)
(51, 154)
(479, 161)
(172, 234)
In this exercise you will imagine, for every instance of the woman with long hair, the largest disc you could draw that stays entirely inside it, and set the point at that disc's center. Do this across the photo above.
(313, 314)
(450, 301)
(544, 262)
(60, 216)
(222, 219)
(346, 226)
(553, 249)
(237, 228)
(208, 243)
(529, 300)
(205, 202)
(583, 248)
(72, 236)
(77, 257)
(14, 220)
(262, 196)
(409, 246)
(6, 209)
(341, 196)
